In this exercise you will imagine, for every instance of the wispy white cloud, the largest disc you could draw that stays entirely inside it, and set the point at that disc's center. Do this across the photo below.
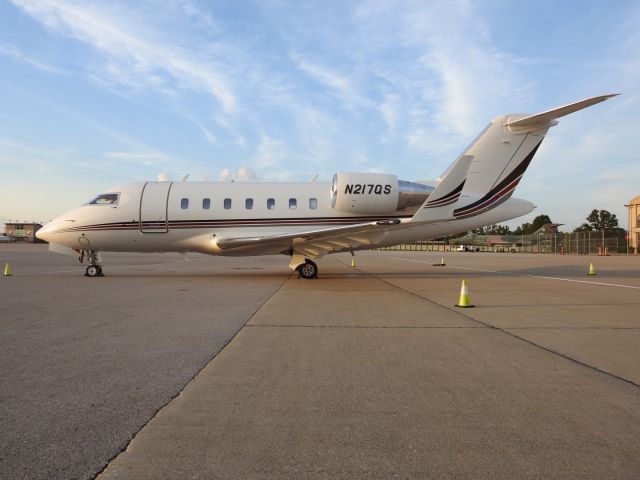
(243, 174)
(111, 32)
(12, 145)
(205, 130)
(226, 175)
(389, 110)
(195, 12)
(27, 164)
(27, 157)
(15, 53)
(246, 174)
(269, 153)
(335, 81)
(145, 158)
(451, 77)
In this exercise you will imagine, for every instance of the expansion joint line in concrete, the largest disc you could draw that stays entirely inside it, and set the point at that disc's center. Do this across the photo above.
(574, 328)
(365, 327)
(155, 414)
(507, 332)
(111, 267)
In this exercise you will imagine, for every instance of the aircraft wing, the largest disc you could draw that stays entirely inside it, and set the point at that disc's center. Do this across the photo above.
(316, 243)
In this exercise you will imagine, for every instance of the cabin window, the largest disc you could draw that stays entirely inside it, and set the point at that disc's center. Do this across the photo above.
(106, 199)
(206, 203)
(227, 203)
(313, 203)
(293, 203)
(184, 203)
(248, 203)
(271, 203)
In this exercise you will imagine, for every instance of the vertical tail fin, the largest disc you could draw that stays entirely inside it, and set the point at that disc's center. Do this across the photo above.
(490, 169)
(500, 160)
(502, 153)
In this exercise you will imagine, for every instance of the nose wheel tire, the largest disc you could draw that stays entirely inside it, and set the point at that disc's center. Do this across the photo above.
(94, 271)
(308, 270)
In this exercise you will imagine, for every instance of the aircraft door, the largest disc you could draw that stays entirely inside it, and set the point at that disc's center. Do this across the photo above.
(154, 203)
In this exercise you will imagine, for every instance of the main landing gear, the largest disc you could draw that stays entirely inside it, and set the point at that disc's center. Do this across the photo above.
(94, 269)
(306, 268)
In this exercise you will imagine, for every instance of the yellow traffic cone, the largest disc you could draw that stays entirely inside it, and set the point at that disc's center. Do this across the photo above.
(7, 270)
(592, 271)
(442, 262)
(353, 263)
(464, 296)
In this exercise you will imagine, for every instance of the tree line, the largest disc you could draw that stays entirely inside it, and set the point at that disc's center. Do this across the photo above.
(597, 220)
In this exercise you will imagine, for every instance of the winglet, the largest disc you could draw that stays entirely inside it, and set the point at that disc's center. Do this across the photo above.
(547, 119)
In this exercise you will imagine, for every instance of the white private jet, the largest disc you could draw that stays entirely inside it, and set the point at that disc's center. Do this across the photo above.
(305, 221)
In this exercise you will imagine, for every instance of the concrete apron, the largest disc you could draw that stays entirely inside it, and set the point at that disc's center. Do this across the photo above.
(350, 376)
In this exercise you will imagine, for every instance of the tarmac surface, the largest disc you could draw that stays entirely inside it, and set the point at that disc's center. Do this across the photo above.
(234, 368)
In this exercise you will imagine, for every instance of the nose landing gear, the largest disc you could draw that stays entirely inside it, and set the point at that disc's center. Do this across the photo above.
(94, 269)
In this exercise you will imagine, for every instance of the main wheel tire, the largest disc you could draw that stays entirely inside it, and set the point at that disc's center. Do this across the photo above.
(92, 271)
(308, 270)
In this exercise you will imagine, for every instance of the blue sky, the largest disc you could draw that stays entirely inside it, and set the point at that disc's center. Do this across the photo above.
(95, 94)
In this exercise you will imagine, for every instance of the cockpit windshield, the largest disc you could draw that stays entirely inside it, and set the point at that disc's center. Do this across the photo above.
(106, 199)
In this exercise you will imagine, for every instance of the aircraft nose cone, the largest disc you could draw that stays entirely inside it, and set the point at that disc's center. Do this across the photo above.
(46, 232)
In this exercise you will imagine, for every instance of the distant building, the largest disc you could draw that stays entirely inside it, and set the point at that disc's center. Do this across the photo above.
(22, 231)
(634, 223)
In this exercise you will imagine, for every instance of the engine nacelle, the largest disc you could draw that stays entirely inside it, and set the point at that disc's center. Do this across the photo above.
(376, 194)
(365, 193)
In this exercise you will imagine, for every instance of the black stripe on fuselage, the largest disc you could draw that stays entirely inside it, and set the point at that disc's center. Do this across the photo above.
(447, 199)
(255, 222)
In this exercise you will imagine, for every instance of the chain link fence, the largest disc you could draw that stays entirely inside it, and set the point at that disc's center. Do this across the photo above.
(580, 243)
(575, 243)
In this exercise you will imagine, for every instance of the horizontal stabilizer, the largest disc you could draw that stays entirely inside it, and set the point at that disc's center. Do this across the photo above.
(544, 119)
